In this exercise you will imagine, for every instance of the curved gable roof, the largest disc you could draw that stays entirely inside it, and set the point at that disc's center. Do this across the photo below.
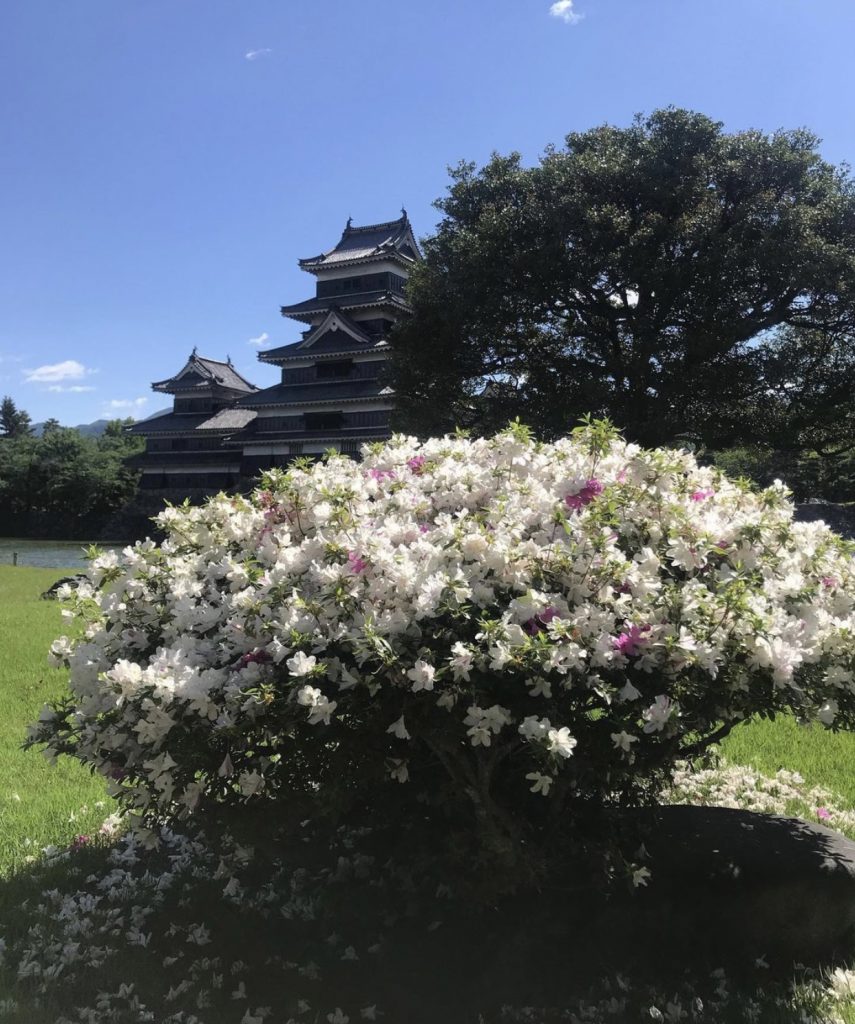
(199, 372)
(393, 238)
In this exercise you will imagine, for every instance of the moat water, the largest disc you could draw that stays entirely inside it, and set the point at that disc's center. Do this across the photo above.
(51, 554)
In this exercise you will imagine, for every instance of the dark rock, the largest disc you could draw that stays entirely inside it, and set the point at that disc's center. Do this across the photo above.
(732, 881)
(728, 887)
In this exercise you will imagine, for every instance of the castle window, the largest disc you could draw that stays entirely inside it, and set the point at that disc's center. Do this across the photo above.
(324, 420)
(333, 370)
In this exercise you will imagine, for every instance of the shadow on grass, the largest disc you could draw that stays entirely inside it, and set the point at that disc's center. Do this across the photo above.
(80, 926)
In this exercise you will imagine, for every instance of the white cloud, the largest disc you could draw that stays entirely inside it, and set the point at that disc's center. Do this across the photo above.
(73, 388)
(563, 9)
(125, 404)
(255, 54)
(70, 369)
(260, 340)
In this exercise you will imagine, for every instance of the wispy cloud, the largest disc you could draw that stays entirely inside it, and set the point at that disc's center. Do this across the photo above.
(69, 369)
(125, 404)
(563, 9)
(72, 388)
(260, 340)
(255, 54)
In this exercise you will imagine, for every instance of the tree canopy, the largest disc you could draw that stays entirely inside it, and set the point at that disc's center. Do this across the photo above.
(680, 279)
(64, 474)
(14, 422)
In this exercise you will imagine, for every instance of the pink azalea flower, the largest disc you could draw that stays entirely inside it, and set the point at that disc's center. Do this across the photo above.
(702, 494)
(78, 842)
(829, 582)
(416, 463)
(823, 813)
(260, 657)
(423, 528)
(356, 562)
(630, 642)
(585, 496)
(381, 474)
(540, 621)
(273, 512)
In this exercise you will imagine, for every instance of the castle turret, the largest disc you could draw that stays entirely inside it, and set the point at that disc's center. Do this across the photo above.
(184, 452)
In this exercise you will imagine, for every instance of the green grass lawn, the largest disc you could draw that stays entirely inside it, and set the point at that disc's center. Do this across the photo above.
(824, 758)
(36, 799)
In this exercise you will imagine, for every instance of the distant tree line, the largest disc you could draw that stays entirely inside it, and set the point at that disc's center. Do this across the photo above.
(695, 286)
(63, 481)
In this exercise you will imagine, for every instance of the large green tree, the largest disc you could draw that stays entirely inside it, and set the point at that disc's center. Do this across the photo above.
(14, 422)
(673, 276)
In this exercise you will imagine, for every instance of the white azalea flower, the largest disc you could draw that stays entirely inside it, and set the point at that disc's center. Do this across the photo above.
(559, 741)
(309, 696)
(321, 711)
(422, 674)
(399, 729)
(657, 716)
(623, 741)
(540, 782)
(301, 664)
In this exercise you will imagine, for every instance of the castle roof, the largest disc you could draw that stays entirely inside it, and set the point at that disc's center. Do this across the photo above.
(393, 239)
(229, 419)
(168, 422)
(358, 300)
(312, 393)
(342, 336)
(199, 373)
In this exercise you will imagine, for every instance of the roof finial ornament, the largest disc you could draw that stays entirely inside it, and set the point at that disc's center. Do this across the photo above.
(228, 360)
(349, 222)
(193, 353)
(403, 212)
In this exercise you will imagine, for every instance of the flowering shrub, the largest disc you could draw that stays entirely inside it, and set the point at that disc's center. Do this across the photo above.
(499, 634)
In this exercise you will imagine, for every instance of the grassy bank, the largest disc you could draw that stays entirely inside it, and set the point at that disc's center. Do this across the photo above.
(36, 800)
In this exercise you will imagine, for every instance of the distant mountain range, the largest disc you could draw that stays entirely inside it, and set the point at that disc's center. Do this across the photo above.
(95, 429)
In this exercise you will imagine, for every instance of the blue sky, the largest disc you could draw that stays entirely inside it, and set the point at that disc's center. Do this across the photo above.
(164, 163)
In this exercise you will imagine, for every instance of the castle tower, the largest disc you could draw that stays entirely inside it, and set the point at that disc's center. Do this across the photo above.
(332, 393)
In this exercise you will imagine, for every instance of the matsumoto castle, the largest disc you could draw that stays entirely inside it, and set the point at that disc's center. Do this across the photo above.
(222, 431)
